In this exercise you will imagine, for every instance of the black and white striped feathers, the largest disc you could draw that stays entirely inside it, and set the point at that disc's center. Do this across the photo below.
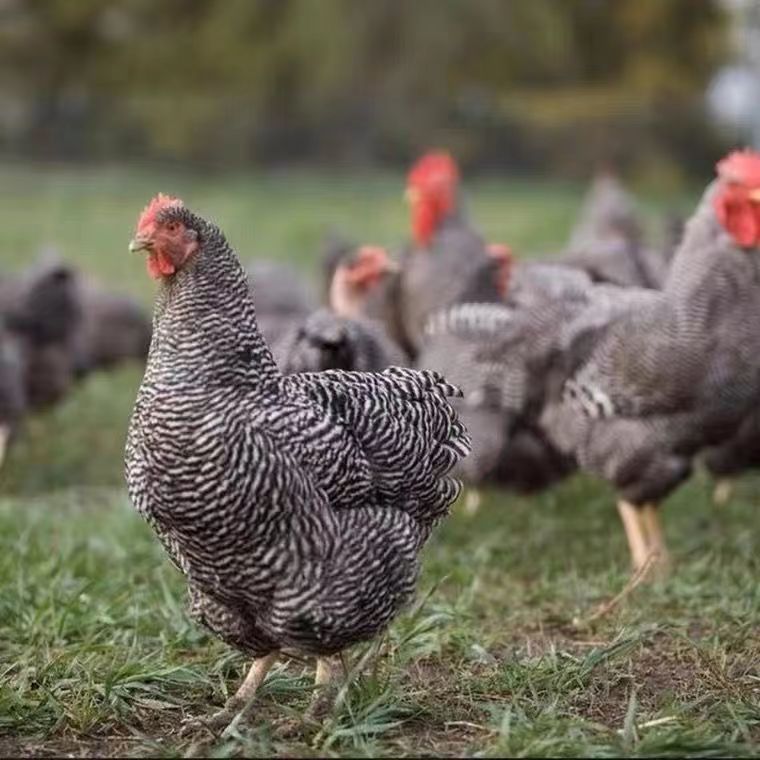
(296, 505)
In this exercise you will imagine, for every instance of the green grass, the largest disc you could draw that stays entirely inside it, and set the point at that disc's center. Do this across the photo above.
(97, 656)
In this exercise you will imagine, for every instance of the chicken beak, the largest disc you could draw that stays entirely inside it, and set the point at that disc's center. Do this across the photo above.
(754, 195)
(391, 267)
(139, 244)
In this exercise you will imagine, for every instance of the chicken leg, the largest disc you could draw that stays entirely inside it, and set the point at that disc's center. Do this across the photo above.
(4, 437)
(241, 699)
(656, 545)
(635, 533)
(327, 680)
(646, 540)
(723, 492)
(472, 501)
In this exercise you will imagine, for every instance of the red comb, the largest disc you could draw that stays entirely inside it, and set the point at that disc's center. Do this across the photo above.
(434, 169)
(159, 203)
(741, 167)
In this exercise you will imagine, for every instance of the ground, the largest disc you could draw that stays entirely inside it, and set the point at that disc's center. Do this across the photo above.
(499, 657)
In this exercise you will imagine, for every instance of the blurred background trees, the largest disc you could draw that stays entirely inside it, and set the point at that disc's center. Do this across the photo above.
(544, 85)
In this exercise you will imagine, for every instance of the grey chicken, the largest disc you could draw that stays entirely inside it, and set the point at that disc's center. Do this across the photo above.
(113, 328)
(342, 336)
(43, 312)
(678, 373)
(608, 240)
(448, 262)
(296, 506)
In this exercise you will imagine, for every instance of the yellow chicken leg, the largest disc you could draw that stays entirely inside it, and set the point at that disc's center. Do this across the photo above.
(655, 537)
(724, 490)
(327, 680)
(635, 532)
(472, 501)
(5, 434)
(240, 700)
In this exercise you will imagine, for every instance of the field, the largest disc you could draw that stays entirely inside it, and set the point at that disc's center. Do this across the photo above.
(501, 656)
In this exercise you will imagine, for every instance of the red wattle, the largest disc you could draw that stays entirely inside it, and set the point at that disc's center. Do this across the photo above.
(739, 216)
(160, 265)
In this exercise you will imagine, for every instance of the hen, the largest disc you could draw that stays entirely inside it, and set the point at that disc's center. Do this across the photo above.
(343, 336)
(43, 313)
(608, 240)
(296, 506)
(679, 372)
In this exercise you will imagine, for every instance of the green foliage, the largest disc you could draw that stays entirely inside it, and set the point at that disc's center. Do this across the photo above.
(225, 80)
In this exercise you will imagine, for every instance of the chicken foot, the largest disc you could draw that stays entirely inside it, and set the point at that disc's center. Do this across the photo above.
(724, 490)
(327, 682)
(240, 701)
(5, 434)
(643, 530)
(472, 501)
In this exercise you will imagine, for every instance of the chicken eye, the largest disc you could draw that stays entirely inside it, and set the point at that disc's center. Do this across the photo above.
(172, 226)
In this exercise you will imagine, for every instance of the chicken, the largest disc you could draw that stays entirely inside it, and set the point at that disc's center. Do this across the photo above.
(342, 336)
(284, 298)
(380, 302)
(296, 506)
(677, 373)
(501, 358)
(43, 312)
(608, 241)
(114, 328)
(12, 391)
(449, 262)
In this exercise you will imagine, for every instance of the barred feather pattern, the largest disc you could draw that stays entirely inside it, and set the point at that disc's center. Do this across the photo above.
(295, 506)
(456, 268)
(673, 373)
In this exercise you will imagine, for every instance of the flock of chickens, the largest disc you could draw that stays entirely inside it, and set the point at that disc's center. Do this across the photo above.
(294, 460)
(623, 359)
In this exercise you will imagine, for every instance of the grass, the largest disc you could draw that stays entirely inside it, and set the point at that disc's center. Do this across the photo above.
(97, 656)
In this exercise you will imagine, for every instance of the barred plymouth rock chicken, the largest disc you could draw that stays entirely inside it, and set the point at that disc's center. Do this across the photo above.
(449, 262)
(342, 336)
(43, 311)
(678, 373)
(608, 240)
(296, 506)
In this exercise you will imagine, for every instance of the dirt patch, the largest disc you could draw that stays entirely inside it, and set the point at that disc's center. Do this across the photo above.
(658, 673)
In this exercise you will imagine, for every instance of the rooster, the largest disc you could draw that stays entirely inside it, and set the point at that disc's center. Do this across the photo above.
(342, 336)
(448, 262)
(296, 506)
(678, 372)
